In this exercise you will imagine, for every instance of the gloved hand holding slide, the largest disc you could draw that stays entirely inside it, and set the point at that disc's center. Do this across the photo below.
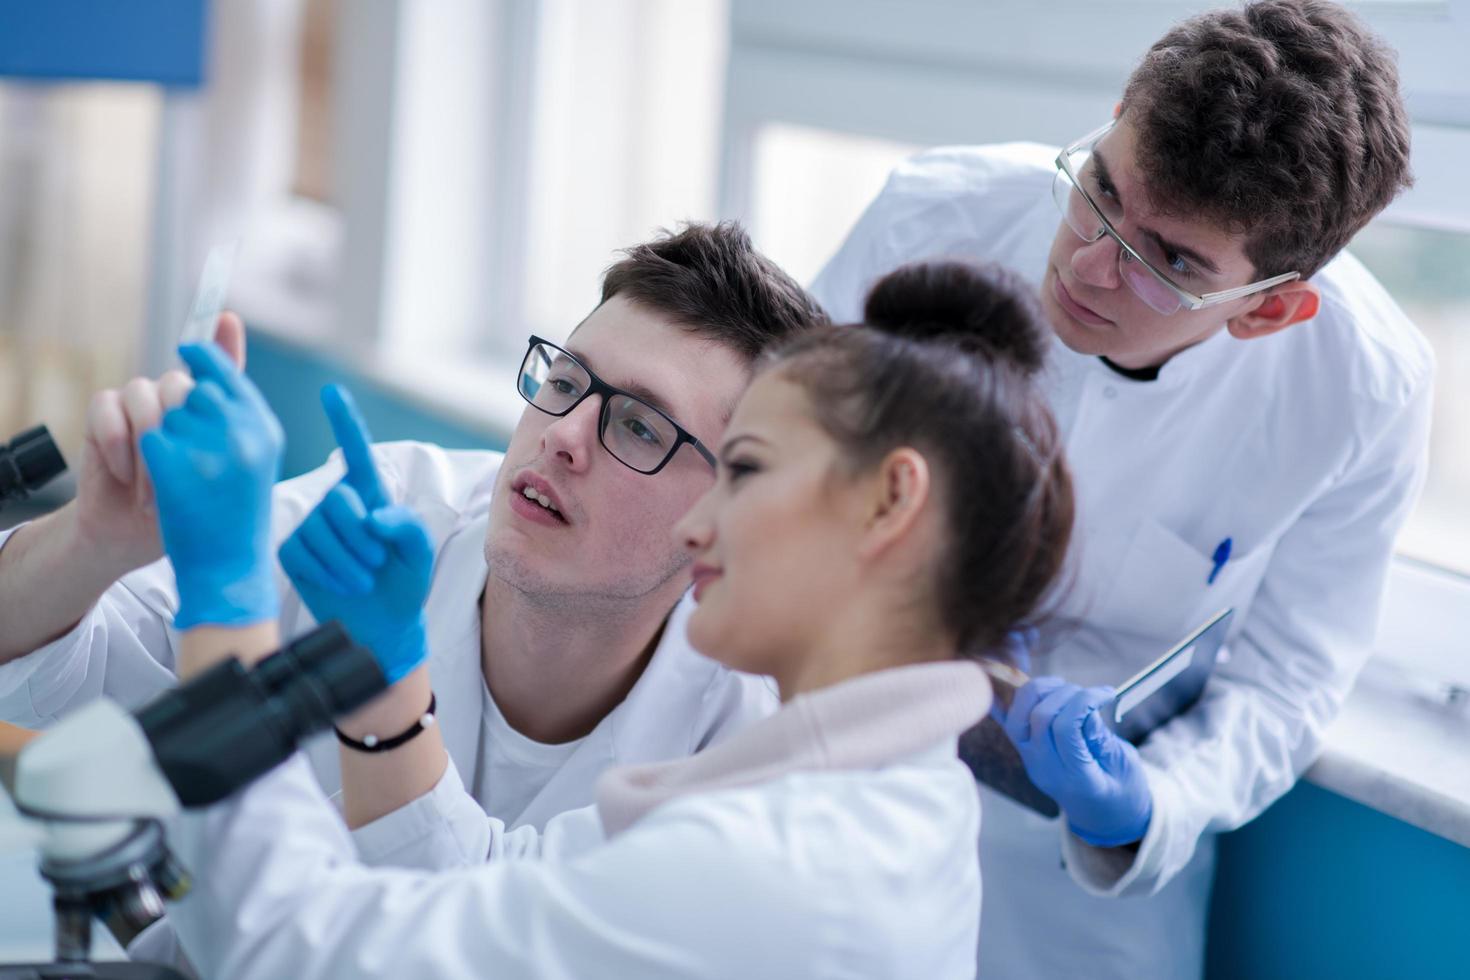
(213, 463)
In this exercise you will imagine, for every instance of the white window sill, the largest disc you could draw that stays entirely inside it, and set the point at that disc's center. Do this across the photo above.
(1402, 746)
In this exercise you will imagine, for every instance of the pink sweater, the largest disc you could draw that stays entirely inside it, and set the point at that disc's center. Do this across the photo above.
(862, 723)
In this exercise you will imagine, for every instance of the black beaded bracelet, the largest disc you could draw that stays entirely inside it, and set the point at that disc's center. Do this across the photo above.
(372, 743)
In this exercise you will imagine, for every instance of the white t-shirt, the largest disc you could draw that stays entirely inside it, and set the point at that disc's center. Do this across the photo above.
(516, 766)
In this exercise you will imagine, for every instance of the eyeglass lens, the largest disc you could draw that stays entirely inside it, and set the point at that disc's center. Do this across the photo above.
(636, 433)
(1081, 219)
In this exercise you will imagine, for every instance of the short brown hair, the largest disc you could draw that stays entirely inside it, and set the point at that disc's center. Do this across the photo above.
(1281, 121)
(710, 279)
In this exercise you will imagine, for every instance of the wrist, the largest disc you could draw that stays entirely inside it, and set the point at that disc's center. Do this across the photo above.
(373, 744)
(98, 547)
(218, 597)
(204, 646)
(1127, 831)
(84, 557)
(394, 710)
(403, 654)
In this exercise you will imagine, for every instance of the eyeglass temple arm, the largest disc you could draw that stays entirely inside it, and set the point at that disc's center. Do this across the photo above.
(699, 447)
(1254, 287)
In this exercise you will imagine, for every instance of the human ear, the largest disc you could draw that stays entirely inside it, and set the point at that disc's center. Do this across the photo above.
(1279, 308)
(899, 490)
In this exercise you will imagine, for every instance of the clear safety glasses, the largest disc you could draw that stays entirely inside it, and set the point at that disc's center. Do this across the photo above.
(637, 435)
(1090, 214)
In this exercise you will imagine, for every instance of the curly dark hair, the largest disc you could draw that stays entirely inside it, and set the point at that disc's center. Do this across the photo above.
(1281, 121)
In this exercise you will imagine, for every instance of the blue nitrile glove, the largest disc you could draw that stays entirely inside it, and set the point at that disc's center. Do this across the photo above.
(1071, 754)
(213, 462)
(361, 560)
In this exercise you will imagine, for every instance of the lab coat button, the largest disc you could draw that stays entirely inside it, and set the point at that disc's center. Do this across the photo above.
(1110, 392)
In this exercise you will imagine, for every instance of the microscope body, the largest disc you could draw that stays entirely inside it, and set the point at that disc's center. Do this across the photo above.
(103, 781)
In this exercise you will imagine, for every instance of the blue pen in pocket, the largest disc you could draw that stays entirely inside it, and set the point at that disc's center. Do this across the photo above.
(1221, 556)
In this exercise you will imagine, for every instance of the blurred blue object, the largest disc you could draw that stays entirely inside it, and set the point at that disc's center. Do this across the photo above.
(155, 41)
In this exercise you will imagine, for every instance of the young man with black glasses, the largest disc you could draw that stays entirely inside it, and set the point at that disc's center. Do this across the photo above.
(556, 648)
(1246, 414)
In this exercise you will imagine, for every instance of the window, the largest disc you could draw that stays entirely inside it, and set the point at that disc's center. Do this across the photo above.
(1426, 271)
(76, 168)
(811, 185)
(521, 145)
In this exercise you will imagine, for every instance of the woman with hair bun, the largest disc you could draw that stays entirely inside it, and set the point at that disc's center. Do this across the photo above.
(891, 502)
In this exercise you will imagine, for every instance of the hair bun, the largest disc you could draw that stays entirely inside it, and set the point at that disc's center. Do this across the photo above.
(985, 308)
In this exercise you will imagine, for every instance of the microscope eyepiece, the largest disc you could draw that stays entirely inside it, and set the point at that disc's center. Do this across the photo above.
(231, 724)
(27, 463)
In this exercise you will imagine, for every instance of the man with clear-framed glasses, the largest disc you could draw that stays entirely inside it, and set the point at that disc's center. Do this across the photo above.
(1086, 195)
(1246, 414)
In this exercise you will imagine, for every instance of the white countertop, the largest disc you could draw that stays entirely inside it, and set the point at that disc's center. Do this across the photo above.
(1401, 747)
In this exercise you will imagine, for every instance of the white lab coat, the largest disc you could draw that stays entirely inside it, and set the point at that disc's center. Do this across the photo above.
(833, 874)
(1306, 448)
(125, 648)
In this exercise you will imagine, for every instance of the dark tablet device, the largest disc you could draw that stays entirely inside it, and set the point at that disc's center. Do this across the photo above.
(1171, 685)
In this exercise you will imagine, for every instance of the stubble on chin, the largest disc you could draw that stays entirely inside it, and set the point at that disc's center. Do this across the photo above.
(577, 591)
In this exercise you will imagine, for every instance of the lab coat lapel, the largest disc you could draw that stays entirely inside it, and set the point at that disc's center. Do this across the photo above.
(452, 612)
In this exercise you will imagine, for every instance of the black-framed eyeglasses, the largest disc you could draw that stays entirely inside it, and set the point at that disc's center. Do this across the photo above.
(638, 435)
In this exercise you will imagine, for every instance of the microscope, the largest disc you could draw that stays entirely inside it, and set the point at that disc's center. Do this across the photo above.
(27, 463)
(98, 786)
(95, 789)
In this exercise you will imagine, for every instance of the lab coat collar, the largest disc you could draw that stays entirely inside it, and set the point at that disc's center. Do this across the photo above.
(1202, 361)
(862, 723)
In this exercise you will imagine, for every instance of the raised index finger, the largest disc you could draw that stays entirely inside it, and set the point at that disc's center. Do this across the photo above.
(352, 436)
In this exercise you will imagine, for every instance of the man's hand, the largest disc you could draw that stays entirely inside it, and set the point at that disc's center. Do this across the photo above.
(361, 560)
(1075, 758)
(54, 569)
(114, 511)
